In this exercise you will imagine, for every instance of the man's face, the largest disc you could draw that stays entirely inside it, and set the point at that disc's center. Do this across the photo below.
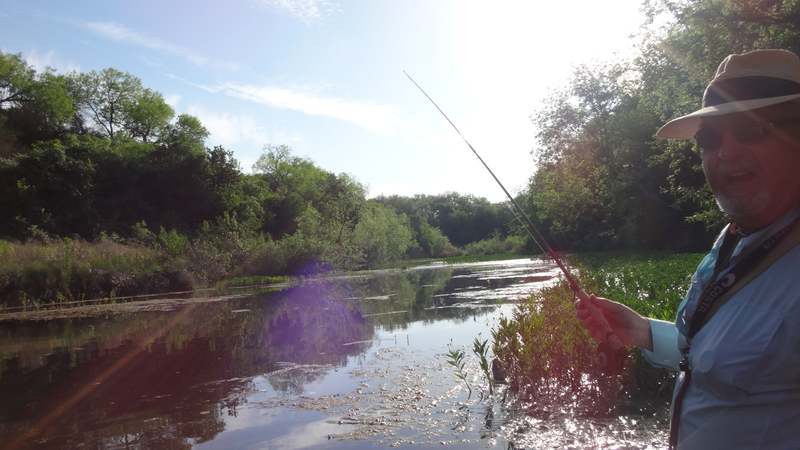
(754, 169)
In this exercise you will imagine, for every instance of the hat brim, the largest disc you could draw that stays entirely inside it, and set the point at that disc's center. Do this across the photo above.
(686, 127)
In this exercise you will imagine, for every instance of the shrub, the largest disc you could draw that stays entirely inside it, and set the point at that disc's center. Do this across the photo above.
(495, 245)
(434, 243)
(549, 360)
(172, 242)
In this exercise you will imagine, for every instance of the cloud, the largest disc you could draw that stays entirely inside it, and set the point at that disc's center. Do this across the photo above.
(172, 100)
(41, 61)
(229, 129)
(306, 11)
(380, 119)
(241, 133)
(121, 33)
(203, 87)
(377, 118)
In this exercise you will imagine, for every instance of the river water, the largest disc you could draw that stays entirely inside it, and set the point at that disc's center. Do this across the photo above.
(356, 361)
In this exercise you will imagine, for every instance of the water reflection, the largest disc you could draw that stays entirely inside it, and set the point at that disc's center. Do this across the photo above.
(164, 379)
(181, 378)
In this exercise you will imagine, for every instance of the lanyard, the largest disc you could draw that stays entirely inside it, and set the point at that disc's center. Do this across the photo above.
(714, 291)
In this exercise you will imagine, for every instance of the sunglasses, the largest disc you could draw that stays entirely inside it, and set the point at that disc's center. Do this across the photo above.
(710, 139)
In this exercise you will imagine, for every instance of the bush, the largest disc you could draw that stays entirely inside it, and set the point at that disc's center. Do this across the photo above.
(294, 255)
(220, 248)
(434, 243)
(495, 245)
(548, 356)
(381, 236)
(172, 243)
(549, 360)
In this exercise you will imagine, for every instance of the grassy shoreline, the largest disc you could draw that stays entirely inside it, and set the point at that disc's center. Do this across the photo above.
(61, 272)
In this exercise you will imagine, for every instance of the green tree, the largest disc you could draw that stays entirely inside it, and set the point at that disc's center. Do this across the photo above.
(147, 115)
(381, 235)
(461, 218)
(107, 98)
(433, 242)
(297, 183)
(51, 187)
(33, 106)
(187, 130)
(16, 80)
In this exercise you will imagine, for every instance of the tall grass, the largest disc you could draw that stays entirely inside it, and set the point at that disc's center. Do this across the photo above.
(66, 270)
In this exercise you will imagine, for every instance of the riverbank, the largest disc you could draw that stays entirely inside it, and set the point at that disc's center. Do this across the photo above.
(66, 273)
(223, 290)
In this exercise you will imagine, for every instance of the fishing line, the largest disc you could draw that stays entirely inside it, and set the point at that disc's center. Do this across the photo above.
(533, 232)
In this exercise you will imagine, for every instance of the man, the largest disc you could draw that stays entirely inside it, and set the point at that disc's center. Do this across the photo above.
(736, 339)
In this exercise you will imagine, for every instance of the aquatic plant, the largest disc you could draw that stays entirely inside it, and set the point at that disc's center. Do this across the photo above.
(455, 357)
(549, 360)
(651, 283)
(481, 350)
(551, 363)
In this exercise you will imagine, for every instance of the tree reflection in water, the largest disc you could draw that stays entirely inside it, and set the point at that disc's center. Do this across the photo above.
(166, 380)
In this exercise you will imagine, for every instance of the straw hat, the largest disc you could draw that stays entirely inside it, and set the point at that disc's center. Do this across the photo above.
(743, 82)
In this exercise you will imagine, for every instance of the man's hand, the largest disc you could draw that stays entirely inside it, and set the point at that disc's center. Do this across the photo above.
(612, 322)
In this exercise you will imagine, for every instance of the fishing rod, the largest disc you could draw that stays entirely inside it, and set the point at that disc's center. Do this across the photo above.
(533, 232)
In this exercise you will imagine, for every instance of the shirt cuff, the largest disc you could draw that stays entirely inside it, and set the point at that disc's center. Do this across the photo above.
(665, 345)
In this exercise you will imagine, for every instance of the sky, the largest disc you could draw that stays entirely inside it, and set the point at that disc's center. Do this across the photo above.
(325, 77)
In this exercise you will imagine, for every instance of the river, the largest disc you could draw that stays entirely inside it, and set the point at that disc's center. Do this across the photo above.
(357, 361)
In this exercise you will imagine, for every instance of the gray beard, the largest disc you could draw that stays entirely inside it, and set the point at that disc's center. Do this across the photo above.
(739, 209)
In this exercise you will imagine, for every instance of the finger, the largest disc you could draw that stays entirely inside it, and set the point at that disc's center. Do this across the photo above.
(594, 304)
(595, 330)
(582, 308)
(614, 341)
(585, 318)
